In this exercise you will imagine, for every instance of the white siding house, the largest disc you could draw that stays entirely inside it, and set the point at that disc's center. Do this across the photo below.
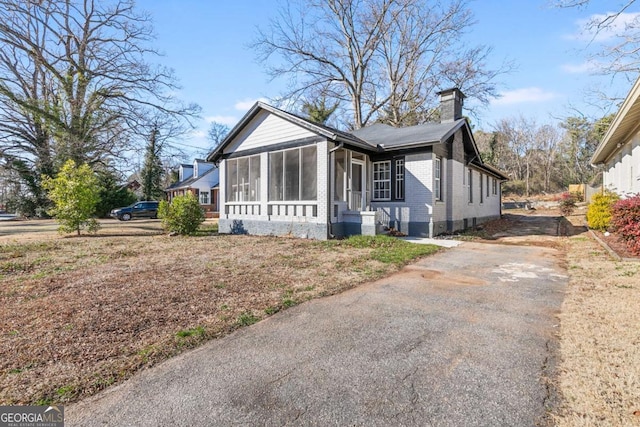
(619, 150)
(281, 174)
(201, 179)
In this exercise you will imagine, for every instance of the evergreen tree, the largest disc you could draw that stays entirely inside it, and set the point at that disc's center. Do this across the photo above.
(112, 194)
(318, 111)
(583, 136)
(152, 171)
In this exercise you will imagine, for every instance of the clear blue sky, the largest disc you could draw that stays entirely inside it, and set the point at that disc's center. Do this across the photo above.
(206, 43)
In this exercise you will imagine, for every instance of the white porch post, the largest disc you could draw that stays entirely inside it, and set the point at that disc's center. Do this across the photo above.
(322, 181)
(222, 194)
(264, 184)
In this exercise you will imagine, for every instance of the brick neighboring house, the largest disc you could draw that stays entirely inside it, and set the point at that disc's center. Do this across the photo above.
(135, 187)
(201, 179)
(284, 175)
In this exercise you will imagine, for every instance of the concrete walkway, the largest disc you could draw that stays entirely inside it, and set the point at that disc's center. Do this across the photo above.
(445, 243)
(464, 337)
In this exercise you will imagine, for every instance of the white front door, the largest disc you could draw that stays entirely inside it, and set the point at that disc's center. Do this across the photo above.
(357, 184)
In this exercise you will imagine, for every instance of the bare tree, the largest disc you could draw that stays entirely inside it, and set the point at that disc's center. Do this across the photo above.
(217, 132)
(518, 135)
(543, 158)
(75, 83)
(379, 59)
(547, 144)
(618, 32)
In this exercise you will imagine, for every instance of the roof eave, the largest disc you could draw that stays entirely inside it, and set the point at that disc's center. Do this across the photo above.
(612, 139)
(407, 146)
(493, 171)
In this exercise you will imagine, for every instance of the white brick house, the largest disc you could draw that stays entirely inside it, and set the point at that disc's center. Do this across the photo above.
(281, 174)
(619, 150)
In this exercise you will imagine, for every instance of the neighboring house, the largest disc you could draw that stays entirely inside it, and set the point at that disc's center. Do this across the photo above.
(134, 186)
(619, 150)
(201, 179)
(285, 175)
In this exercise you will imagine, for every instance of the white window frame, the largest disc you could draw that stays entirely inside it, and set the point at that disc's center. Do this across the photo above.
(481, 181)
(399, 186)
(437, 179)
(204, 200)
(495, 187)
(382, 180)
(470, 185)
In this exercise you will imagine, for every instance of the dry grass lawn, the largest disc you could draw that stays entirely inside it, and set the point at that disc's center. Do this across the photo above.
(599, 374)
(80, 314)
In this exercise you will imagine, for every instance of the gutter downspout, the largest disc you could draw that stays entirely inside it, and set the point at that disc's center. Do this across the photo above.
(336, 148)
(330, 174)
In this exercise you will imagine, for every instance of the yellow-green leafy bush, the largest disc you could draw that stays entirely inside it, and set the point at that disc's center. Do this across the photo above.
(599, 210)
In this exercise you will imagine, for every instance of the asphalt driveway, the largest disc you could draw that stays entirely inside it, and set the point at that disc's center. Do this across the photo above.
(465, 337)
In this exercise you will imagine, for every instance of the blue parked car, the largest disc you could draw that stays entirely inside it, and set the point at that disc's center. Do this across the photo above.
(146, 209)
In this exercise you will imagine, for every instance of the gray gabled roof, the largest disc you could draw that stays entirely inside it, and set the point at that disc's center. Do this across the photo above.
(388, 137)
(377, 138)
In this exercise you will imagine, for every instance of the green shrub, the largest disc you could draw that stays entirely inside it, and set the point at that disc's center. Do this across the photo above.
(182, 216)
(599, 211)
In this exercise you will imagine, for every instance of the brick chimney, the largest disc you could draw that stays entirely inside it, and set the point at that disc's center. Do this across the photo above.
(451, 101)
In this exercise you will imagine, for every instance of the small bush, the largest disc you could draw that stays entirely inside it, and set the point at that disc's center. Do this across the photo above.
(198, 331)
(625, 220)
(568, 203)
(599, 211)
(182, 216)
(247, 319)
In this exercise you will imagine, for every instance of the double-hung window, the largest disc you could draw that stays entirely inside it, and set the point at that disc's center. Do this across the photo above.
(382, 180)
(437, 178)
(204, 197)
(470, 185)
(495, 187)
(388, 179)
(243, 179)
(481, 180)
(488, 190)
(399, 178)
(293, 174)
